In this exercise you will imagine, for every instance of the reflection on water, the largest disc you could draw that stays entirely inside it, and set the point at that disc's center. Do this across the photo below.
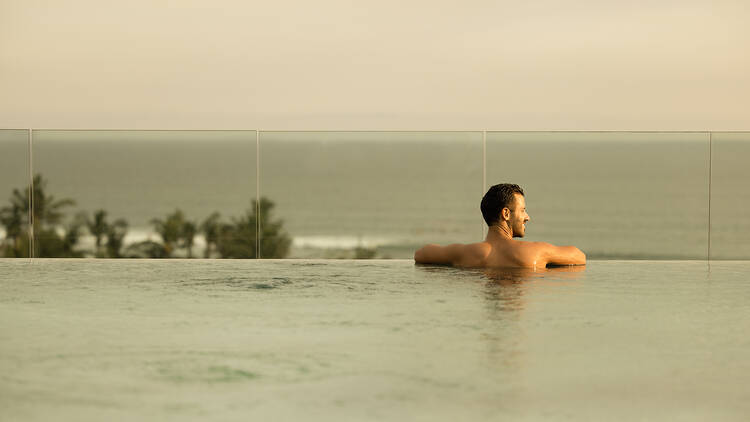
(567, 272)
(505, 295)
(505, 287)
(528, 274)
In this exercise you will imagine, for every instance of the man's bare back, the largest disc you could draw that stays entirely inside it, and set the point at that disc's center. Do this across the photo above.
(504, 209)
(501, 253)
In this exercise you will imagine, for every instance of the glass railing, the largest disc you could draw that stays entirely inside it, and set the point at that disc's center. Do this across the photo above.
(367, 194)
(730, 195)
(372, 194)
(143, 194)
(15, 231)
(614, 195)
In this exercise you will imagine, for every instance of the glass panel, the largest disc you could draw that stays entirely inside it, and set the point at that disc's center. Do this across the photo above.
(370, 194)
(145, 193)
(14, 182)
(730, 196)
(614, 195)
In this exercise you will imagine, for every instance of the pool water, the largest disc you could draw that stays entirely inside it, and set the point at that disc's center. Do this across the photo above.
(91, 340)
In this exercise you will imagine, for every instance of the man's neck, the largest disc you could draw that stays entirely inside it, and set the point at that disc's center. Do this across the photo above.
(499, 231)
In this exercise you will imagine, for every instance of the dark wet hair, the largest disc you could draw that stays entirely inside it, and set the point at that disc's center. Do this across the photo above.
(498, 197)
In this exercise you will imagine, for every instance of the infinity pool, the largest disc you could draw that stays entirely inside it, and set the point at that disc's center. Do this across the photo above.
(93, 340)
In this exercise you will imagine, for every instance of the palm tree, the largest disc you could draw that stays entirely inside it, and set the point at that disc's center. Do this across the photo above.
(71, 236)
(239, 239)
(170, 230)
(98, 227)
(13, 220)
(210, 229)
(187, 235)
(115, 235)
(47, 210)
(47, 216)
(274, 242)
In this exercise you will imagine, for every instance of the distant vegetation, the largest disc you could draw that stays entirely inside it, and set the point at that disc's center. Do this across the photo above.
(56, 235)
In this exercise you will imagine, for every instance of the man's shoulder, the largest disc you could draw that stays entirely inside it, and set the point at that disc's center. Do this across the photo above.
(528, 245)
(479, 248)
(524, 252)
(474, 254)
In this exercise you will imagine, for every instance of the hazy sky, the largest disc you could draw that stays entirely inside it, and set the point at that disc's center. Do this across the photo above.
(375, 64)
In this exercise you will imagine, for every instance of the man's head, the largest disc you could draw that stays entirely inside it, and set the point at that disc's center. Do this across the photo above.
(505, 203)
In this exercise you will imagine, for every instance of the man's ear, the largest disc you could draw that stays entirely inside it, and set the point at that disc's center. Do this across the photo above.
(505, 213)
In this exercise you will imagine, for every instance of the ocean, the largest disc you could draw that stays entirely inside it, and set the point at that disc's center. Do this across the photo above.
(614, 195)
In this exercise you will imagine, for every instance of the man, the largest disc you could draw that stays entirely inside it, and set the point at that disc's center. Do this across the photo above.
(504, 210)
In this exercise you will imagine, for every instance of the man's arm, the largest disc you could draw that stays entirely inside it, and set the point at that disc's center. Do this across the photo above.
(562, 255)
(473, 255)
(436, 254)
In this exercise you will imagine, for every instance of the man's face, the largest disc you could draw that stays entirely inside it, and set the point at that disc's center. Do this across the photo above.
(518, 216)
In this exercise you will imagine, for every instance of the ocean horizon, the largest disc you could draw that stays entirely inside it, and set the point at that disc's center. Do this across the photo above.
(613, 195)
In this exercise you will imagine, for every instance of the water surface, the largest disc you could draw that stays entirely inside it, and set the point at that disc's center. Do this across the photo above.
(372, 340)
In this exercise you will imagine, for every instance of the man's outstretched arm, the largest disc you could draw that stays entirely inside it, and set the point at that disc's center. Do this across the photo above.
(472, 255)
(563, 255)
(436, 254)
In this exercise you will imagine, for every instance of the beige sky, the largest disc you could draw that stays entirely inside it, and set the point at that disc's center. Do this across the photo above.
(139, 64)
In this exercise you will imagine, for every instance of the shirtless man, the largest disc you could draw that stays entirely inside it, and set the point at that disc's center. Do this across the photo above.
(504, 210)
